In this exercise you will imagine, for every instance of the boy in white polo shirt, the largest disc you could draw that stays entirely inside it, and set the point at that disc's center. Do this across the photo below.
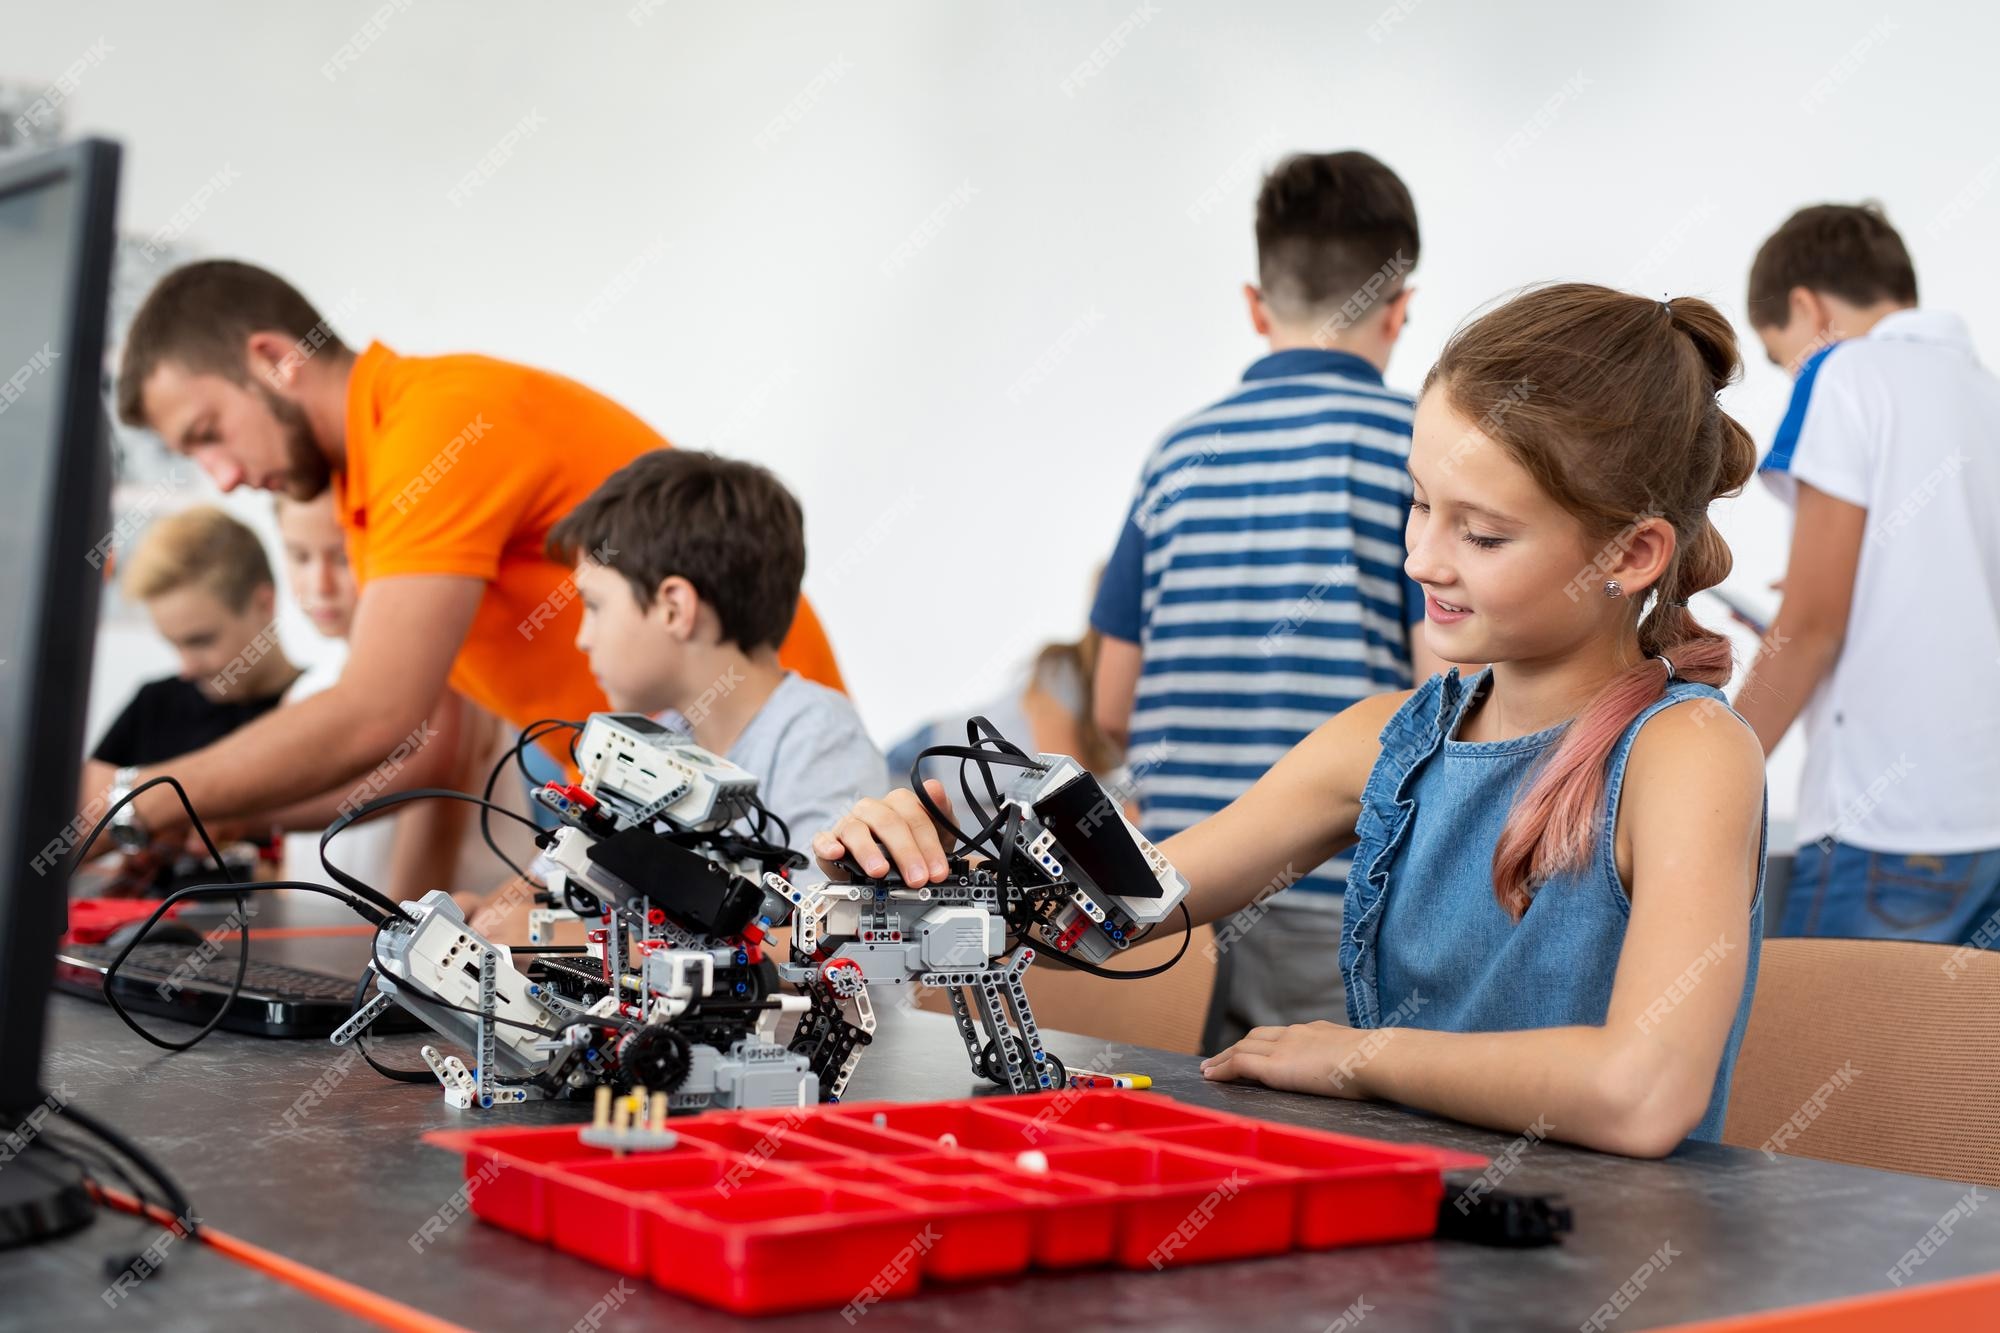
(1888, 637)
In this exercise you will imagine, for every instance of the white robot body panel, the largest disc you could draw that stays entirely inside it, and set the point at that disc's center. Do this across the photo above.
(957, 937)
(645, 771)
(440, 956)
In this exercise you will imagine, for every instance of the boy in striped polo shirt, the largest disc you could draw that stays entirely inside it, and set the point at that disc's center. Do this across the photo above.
(1257, 587)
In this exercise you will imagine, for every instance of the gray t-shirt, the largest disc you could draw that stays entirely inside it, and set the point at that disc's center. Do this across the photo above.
(810, 754)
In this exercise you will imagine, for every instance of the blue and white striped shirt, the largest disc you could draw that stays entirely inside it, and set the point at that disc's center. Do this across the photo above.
(1260, 570)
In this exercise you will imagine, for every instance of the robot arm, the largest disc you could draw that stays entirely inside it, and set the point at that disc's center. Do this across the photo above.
(1075, 833)
(1068, 871)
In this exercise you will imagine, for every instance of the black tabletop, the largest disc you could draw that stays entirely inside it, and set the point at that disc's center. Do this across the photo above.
(301, 1149)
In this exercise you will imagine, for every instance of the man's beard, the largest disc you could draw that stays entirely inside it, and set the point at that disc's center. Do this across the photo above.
(307, 473)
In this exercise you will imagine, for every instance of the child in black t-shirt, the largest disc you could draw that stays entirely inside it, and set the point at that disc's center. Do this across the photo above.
(207, 584)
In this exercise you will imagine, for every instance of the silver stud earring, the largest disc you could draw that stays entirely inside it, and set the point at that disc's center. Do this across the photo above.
(1613, 588)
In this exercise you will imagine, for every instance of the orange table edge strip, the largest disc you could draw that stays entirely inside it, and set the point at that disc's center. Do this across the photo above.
(1957, 1305)
(325, 1287)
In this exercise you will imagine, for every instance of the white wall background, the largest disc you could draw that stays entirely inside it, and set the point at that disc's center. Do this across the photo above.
(702, 219)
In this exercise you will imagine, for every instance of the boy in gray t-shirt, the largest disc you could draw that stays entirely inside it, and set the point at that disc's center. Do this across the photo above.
(812, 757)
(688, 567)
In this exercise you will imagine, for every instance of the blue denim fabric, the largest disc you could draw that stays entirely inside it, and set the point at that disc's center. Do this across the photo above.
(1850, 892)
(1425, 943)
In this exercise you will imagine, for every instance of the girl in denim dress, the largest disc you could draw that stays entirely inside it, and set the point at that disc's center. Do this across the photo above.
(1553, 918)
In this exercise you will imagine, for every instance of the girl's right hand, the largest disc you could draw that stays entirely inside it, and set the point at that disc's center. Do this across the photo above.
(895, 829)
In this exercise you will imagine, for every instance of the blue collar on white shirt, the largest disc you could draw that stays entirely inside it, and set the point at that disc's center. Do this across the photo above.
(1312, 361)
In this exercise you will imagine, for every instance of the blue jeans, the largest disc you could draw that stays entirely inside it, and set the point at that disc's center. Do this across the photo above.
(1849, 892)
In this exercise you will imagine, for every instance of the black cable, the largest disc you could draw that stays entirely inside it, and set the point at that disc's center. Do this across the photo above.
(581, 900)
(1009, 844)
(986, 748)
(373, 895)
(758, 845)
(977, 755)
(982, 821)
(165, 780)
(423, 1075)
(177, 1202)
(738, 847)
(985, 823)
(393, 799)
(93, 1164)
(352, 892)
(784, 830)
(241, 914)
(94, 1161)
(375, 968)
(242, 909)
(980, 731)
(974, 726)
(232, 890)
(1057, 956)
(549, 726)
(529, 735)
(424, 994)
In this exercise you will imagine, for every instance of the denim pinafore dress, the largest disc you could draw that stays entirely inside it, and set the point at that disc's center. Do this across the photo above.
(1423, 941)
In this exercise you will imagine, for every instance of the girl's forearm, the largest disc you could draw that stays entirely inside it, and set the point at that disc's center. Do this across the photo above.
(1577, 1084)
(1220, 887)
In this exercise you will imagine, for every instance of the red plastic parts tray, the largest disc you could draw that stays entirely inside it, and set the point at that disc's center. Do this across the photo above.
(91, 920)
(842, 1206)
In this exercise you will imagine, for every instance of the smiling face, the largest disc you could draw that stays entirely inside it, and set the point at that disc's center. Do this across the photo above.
(239, 434)
(1508, 573)
(316, 564)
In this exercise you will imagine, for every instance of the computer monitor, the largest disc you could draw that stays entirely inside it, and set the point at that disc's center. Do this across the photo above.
(57, 237)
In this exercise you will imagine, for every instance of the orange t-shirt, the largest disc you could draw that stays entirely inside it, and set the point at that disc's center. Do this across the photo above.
(461, 465)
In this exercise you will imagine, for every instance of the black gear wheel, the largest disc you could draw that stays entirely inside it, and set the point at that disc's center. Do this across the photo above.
(657, 1058)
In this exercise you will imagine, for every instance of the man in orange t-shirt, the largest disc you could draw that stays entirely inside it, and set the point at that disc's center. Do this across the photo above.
(461, 465)
(448, 473)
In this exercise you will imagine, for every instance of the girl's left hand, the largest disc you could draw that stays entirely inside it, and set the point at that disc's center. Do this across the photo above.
(1320, 1058)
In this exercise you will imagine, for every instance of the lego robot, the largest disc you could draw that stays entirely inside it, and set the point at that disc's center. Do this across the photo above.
(661, 853)
(1066, 871)
(673, 996)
